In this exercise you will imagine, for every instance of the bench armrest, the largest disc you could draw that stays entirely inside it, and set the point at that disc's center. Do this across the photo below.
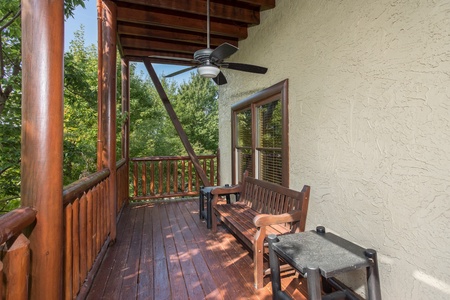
(266, 219)
(226, 190)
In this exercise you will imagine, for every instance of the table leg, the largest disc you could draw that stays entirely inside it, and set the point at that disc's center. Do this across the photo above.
(313, 281)
(373, 277)
(201, 204)
(208, 210)
(277, 293)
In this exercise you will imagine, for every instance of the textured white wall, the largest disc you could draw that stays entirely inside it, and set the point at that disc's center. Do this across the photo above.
(369, 99)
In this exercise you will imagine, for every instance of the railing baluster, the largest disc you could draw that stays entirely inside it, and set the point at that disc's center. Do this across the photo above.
(76, 247)
(98, 210)
(175, 176)
(144, 179)
(2, 287)
(168, 177)
(183, 167)
(211, 172)
(135, 179)
(83, 237)
(17, 266)
(160, 183)
(152, 182)
(68, 253)
(190, 176)
(89, 235)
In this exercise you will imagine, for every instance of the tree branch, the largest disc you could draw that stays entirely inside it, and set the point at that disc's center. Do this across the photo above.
(12, 19)
(7, 15)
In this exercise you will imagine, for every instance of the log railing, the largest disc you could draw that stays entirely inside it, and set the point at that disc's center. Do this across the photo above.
(86, 223)
(160, 177)
(122, 184)
(15, 253)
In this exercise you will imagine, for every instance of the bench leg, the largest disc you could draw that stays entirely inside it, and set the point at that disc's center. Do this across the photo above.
(213, 221)
(258, 257)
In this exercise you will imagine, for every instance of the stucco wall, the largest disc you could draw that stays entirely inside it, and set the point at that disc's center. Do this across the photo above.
(369, 99)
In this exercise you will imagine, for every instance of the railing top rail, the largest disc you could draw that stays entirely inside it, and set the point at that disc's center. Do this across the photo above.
(77, 188)
(15, 221)
(121, 162)
(161, 158)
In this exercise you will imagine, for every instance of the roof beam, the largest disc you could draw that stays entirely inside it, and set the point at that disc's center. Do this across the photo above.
(179, 22)
(173, 35)
(198, 7)
(128, 52)
(129, 42)
(263, 4)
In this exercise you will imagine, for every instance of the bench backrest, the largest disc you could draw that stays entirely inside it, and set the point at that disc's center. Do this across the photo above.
(270, 198)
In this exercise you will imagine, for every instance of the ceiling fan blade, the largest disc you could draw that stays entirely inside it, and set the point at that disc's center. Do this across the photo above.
(180, 71)
(244, 67)
(223, 51)
(220, 79)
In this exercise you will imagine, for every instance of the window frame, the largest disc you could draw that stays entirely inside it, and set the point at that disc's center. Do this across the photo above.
(278, 91)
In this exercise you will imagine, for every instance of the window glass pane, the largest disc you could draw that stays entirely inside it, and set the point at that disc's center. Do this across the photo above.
(244, 128)
(259, 139)
(270, 166)
(245, 162)
(269, 125)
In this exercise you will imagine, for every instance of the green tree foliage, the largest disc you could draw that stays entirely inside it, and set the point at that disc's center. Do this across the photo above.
(10, 99)
(152, 131)
(149, 120)
(80, 109)
(197, 109)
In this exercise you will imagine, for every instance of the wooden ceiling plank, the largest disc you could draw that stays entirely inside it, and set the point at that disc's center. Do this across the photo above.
(171, 35)
(128, 52)
(179, 22)
(198, 7)
(129, 42)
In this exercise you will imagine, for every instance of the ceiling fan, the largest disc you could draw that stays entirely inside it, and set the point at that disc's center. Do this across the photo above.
(209, 61)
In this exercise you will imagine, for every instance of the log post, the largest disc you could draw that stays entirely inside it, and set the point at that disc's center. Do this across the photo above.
(42, 140)
(126, 125)
(106, 150)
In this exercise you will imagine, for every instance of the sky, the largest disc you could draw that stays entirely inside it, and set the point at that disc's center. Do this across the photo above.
(88, 17)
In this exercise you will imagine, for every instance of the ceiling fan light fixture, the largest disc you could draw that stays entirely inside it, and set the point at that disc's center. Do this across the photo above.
(208, 71)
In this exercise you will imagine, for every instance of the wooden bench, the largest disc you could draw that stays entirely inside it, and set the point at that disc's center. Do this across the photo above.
(263, 208)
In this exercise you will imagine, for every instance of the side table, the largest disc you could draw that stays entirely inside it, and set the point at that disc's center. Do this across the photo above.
(205, 195)
(316, 253)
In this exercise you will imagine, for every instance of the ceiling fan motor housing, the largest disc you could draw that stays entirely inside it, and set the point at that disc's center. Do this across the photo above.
(202, 55)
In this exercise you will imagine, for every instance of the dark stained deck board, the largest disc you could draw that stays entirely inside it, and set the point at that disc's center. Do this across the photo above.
(190, 275)
(123, 247)
(100, 283)
(177, 285)
(205, 276)
(233, 287)
(161, 275)
(130, 273)
(146, 272)
(164, 251)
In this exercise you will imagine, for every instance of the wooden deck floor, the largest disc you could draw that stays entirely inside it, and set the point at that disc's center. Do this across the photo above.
(163, 251)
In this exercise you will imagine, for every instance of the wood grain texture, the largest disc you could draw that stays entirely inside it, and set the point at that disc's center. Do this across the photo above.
(166, 252)
(17, 269)
(264, 208)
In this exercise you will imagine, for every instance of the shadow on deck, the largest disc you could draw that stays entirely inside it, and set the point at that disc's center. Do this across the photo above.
(163, 251)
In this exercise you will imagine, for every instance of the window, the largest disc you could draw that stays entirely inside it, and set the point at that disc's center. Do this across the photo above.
(260, 136)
